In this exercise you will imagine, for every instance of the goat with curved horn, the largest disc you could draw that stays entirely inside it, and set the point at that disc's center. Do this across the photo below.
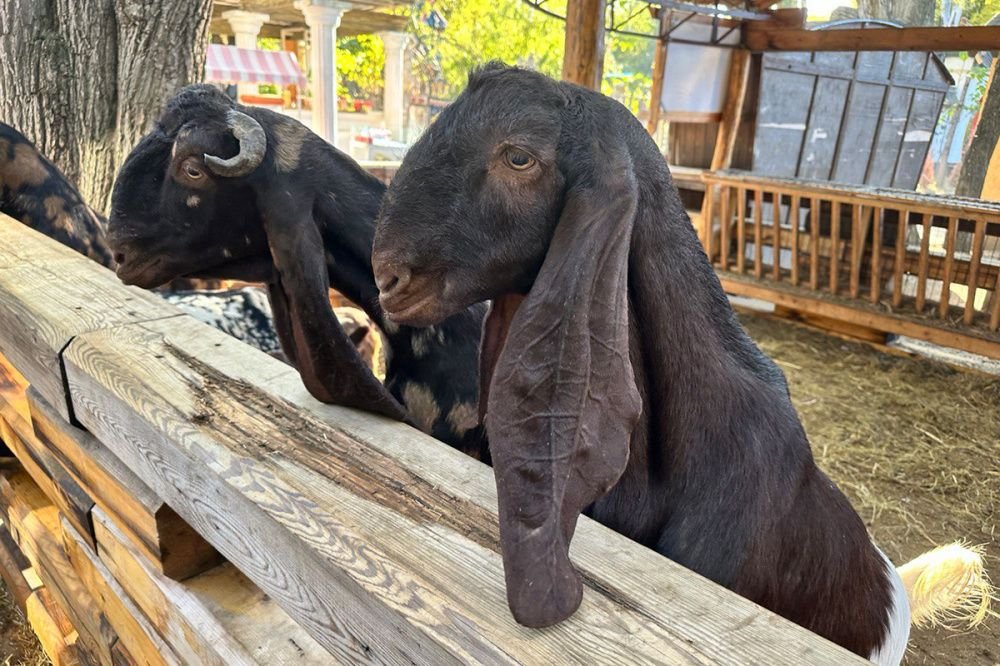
(253, 147)
(302, 221)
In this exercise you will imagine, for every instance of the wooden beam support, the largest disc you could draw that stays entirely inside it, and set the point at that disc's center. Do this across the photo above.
(871, 318)
(583, 56)
(171, 546)
(30, 265)
(218, 617)
(384, 573)
(380, 542)
(732, 109)
(762, 36)
(34, 523)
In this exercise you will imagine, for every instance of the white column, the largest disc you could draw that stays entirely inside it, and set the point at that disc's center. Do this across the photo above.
(246, 26)
(323, 17)
(394, 101)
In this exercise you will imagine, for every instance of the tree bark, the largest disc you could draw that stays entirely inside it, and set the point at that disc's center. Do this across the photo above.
(83, 79)
(977, 158)
(907, 12)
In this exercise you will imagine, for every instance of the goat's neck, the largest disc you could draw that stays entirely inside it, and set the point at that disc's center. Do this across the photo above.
(347, 221)
(692, 360)
(691, 337)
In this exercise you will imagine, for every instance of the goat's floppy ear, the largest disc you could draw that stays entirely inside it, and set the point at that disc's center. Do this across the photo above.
(312, 338)
(562, 401)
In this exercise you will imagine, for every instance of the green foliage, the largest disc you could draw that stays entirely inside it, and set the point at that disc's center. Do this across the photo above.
(509, 30)
(360, 60)
(482, 30)
(979, 12)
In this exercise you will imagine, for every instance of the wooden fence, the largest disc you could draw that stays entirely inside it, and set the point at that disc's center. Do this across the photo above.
(177, 497)
(888, 260)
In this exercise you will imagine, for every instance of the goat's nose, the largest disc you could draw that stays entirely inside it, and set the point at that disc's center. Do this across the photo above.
(119, 257)
(391, 277)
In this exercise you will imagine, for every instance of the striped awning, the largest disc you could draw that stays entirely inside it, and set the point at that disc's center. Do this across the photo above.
(230, 64)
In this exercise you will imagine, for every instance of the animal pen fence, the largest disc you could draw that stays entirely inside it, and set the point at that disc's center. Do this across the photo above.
(881, 261)
(174, 496)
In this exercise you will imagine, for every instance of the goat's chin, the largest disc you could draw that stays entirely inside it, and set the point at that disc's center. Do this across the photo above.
(145, 275)
(428, 311)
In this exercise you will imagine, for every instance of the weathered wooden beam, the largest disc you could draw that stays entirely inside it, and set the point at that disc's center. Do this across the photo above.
(34, 524)
(732, 109)
(13, 564)
(61, 489)
(129, 624)
(47, 620)
(33, 286)
(218, 617)
(762, 36)
(370, 534)
(171, 546)
(583, 56)
(861, 314)
(381, 542)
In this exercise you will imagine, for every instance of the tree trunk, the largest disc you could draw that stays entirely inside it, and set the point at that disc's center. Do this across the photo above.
(907, 12)
(83, 79)
(977, 157)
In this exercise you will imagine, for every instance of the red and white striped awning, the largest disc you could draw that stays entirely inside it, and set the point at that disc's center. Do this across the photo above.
(230, 64)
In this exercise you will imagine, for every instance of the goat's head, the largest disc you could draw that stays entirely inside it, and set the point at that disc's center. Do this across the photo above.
(221, 191)
(526, 186)
(178, 205)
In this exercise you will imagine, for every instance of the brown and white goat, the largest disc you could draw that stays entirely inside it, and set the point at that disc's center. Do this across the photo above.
(616, 379)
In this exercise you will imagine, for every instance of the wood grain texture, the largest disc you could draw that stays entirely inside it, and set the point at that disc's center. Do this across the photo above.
(218, 617)
(47, 620)
(42, 310)
(372, 536)
(968, 316)
(767, 36)
(583, 56)
(55, 633)
(60, 488)
(133, 630)
(862, 315)
(13, 564)
(165, 540)
(34, 524)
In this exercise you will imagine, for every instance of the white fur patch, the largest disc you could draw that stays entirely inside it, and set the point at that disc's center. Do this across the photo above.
(193, 201)
(894, 647)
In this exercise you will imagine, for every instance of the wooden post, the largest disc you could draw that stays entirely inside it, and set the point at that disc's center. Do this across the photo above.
(583, 59)
(732, 109)
(659, 70)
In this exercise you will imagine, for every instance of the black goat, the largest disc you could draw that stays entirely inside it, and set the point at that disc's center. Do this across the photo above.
(36, 193)
(220, 190)
(620, 382)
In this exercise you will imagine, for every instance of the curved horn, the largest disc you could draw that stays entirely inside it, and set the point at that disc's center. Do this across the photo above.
(253, 145)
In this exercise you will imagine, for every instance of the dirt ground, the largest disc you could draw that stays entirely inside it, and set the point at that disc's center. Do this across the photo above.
(18, 645)
(915, 444)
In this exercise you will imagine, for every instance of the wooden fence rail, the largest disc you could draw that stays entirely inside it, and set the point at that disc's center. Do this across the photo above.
(894, 261)
(379, 544)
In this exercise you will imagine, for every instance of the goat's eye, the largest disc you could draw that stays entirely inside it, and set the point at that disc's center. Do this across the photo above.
(519, 160)
(192, 172)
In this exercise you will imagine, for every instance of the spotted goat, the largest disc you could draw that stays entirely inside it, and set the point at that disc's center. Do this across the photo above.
(36, 193)
(231, 192)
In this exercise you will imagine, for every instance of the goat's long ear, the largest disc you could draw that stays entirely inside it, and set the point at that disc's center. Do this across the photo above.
(312, 338)
(562, 401)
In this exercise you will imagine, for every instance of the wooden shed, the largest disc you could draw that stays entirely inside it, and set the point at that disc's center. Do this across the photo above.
(863, 118)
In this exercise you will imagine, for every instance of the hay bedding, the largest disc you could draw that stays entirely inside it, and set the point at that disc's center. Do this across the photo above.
(915, 445)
